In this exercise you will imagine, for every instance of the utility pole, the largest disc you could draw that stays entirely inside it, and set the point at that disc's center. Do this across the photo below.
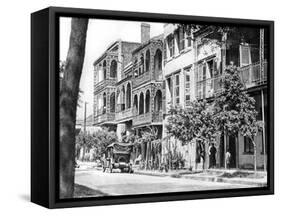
(85, 116)
(262, 75)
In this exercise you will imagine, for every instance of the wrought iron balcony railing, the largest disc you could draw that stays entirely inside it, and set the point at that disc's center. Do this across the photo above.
(145, 77)
(124, 114)
(104, 118)
(251, 76)
(104, 83)
(148, 118)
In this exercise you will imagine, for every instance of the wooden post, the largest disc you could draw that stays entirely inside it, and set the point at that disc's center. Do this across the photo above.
(224, 136)
(263, 131)
(255, 155)
(262, 95)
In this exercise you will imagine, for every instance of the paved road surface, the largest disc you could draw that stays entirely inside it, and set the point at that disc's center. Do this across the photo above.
(125, 184)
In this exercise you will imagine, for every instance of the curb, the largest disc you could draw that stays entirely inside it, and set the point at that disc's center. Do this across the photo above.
(226, 180)
(205, 178)
(153, 174)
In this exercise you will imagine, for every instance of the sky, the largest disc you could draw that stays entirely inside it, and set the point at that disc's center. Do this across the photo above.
(100, 34)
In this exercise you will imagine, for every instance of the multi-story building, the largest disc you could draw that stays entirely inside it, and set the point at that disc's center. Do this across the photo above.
(179, 81)
(194, 65)
(107, 73)
(128, 86)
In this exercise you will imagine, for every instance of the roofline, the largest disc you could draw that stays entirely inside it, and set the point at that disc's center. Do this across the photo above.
(110, 46)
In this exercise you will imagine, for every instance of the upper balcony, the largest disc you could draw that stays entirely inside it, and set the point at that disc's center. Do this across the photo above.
(124, 115)
(143, 78)
(104, 83)
(155, 117)
(103, 119)
(251, 76)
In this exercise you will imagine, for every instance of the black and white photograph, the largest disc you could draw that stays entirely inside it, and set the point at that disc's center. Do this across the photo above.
(153, 108)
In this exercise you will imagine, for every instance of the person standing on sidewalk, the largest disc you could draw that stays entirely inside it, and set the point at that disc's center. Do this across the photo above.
(212, 156)
(227, 158)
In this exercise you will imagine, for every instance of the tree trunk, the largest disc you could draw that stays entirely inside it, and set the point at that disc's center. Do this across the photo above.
(225, 140)
(255, 155)
(68, 103)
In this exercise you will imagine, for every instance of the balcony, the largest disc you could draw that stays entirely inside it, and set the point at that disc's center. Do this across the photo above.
(157, 116)
(145, 77)
(104, 83)
(124, 115)
(251, 76)
(106, 118)
(148, 118)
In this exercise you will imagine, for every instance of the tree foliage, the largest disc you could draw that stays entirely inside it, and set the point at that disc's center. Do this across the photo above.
(235, 109)
(101, 139)
(193, 122)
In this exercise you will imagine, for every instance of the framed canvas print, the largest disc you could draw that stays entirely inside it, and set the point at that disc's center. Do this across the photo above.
(139, 107)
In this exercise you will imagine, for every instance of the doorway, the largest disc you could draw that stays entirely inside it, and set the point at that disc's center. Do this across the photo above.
(232, 149)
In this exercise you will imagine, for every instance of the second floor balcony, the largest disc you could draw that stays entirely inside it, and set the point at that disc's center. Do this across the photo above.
(104, 117)
(251, 75)
(124, 115)
(155, 117)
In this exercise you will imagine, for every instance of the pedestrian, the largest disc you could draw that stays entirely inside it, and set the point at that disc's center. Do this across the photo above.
(227, 158)
(212, 156)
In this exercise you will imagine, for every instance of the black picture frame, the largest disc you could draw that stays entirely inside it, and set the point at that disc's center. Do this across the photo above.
(45, 115)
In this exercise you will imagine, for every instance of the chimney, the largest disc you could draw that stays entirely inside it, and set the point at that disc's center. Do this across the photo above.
(145, 32)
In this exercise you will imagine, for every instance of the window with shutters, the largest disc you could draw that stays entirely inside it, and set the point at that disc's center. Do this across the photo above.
(187, 85)
(181, 39)
(177, 89)
(177, 39)
(171, 45)
(210, 65)
(188, 40)
(170, 90)
(245, 55)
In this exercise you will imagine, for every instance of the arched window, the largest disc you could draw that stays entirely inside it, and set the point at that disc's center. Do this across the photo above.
(147, 101)
(100, 104)
(147, 60)
(112, 102)
(135, 105)
(158, 101)
(100, 73)
(113, 69)
(128, 95)
(136, 73)
(141, 68)
(104, 103)
(123, 98)
(141, 106)
(104, 69)
(158, 64)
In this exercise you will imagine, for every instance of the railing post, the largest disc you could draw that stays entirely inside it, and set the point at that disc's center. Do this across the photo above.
(261, 54)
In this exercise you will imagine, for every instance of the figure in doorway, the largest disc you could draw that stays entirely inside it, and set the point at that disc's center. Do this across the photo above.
(212, 156)
(227, 158)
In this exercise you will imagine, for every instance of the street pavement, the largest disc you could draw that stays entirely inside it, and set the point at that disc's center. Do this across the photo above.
(127, 184)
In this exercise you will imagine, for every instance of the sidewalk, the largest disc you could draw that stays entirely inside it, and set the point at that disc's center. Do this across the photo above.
(233, 176)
